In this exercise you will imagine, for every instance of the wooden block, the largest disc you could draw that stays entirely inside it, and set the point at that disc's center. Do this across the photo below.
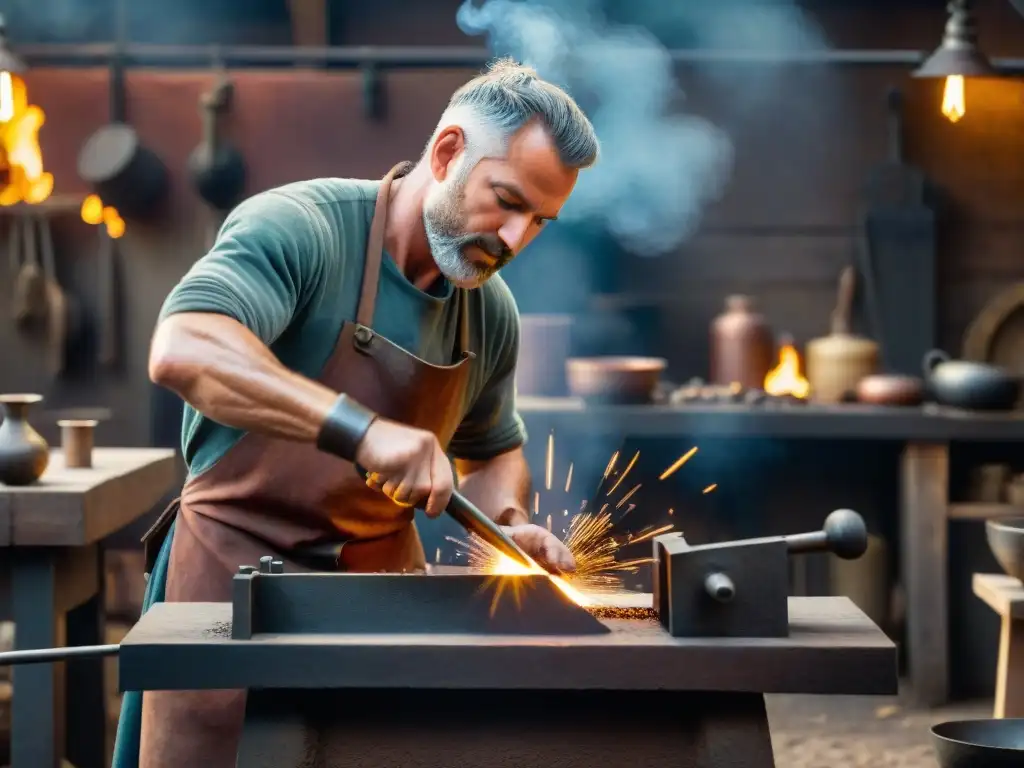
(125, 582)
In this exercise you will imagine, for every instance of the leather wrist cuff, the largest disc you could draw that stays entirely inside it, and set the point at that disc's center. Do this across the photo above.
(344, 428)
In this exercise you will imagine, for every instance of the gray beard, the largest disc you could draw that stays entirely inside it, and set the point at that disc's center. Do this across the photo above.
(443, 221)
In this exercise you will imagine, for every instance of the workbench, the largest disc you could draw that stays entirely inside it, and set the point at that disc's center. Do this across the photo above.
(634, 696)
(925, 508)
(51, 557)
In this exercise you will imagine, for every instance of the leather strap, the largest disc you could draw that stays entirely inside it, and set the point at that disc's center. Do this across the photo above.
(375, 247)
(463, 343)
(375, 256)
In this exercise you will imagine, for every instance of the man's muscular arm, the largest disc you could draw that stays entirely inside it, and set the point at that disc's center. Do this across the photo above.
(500, 487)
(220, 368)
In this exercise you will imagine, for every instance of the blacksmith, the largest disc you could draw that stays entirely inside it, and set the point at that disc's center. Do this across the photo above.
(338, 322)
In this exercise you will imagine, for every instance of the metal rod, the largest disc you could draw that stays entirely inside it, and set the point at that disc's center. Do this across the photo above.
(466, 514)
(399, 57)
(475, 521)
(50, 655)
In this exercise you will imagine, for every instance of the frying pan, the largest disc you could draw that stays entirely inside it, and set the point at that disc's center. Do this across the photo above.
(980, 743)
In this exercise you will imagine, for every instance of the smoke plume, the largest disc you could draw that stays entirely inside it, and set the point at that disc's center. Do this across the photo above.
(660, 165)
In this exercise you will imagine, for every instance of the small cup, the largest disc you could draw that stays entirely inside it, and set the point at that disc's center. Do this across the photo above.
(76, 440)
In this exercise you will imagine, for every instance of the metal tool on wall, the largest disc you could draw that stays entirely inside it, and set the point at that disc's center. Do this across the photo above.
(897, 257)
(109, 325)
(125, 173)
(216, 166)
(41, 306)
(29, 300)
(58, 307)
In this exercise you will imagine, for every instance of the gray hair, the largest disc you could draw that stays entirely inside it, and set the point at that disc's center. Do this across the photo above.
(493, 106)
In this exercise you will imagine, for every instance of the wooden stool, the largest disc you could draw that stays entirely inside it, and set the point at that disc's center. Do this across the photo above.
(1005, 596)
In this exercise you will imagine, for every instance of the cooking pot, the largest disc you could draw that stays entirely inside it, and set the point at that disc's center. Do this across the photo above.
(980, 743)
(969, 385)
(123, 171)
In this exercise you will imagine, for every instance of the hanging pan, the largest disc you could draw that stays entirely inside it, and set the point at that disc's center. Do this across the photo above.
(124, 173)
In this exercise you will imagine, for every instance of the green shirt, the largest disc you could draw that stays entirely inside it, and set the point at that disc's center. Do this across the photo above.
(288, 265)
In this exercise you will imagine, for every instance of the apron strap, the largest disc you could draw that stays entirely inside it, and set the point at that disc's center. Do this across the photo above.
(462, 345)
(375, 256)
(375, 247)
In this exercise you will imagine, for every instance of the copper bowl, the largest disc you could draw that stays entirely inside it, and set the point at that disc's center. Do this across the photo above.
(890, 389)
(614, 380)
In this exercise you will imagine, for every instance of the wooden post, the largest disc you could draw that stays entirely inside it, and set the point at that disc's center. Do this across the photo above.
(1010, 669)
(924, 506)
(309, 23)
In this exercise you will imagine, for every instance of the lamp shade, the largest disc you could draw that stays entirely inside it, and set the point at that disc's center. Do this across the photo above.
(959, 53)
(9, 62)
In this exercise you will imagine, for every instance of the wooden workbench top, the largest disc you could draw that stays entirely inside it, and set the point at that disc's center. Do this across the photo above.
(73, 507)
(833, 648)
(1003, 594)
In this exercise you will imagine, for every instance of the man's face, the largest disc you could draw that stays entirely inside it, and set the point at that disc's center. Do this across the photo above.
(478, 217)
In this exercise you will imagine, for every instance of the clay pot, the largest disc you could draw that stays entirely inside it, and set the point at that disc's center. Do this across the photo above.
(742, 345)
(24, 454)
(970, 385)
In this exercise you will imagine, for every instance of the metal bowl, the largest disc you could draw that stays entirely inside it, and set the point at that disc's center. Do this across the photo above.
(614, 380)
(979, 743)
(1006, 540)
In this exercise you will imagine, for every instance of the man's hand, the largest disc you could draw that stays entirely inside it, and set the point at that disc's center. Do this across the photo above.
(543, 546)
(407, 464)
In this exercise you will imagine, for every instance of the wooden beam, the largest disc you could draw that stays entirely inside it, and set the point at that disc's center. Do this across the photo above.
(309, 23)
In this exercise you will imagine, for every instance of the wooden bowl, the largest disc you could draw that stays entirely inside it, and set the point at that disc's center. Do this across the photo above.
(614, 380)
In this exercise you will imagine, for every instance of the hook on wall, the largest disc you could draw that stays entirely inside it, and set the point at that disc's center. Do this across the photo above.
(374, 106)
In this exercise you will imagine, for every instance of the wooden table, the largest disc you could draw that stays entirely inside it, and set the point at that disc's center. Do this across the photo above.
(52, 534)
(925, 508)
(1005, 595)
(633, 696)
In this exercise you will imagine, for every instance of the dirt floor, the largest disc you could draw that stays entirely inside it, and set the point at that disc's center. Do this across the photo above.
(849, 731)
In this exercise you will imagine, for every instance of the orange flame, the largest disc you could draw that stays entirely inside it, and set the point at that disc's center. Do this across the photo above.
(94, 212)
(785, 378)
(21, 158)
(506, 566)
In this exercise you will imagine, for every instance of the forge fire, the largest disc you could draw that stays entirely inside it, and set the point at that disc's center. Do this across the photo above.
(23, 179)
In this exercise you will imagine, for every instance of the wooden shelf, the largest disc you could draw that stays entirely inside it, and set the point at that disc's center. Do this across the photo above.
(977, 510)
(927, 423)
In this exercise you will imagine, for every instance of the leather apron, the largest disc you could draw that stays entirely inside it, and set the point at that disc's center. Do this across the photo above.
(310, 509)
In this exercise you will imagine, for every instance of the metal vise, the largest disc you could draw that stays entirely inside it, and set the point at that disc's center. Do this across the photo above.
(741, 588)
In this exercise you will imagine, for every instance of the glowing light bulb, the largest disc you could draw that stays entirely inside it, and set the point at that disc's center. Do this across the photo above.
(6, 96)
(954, 105)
